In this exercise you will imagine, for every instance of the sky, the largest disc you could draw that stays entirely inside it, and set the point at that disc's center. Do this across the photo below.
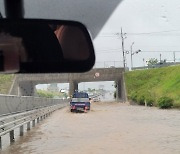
(151, 25)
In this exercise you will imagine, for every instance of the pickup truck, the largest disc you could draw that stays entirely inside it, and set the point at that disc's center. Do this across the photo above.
(80, 102)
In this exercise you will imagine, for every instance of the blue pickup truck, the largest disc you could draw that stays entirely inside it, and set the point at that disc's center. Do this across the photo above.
(80, 102)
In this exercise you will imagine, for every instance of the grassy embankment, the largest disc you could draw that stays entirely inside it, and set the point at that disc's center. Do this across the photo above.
(7, 80)
(152, 84)
(49, 94)
(5, 83)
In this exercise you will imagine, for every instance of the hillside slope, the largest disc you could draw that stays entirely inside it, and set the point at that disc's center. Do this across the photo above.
(5, 83)
(152, 84)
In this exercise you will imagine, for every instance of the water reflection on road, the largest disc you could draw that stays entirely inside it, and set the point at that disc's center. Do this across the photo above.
(108, 128)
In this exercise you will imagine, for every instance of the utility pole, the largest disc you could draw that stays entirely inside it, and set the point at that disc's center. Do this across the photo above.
(174, 56)
(122, 38)
(131, 56)
(160, 58)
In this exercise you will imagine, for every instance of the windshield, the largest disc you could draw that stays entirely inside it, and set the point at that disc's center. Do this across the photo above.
(127, 103)
(80, 95)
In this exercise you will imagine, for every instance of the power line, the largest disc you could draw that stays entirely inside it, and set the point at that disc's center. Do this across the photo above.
(107, 52)
(118, 50)
(160, 51)
(108, 49)
(154, 32)
(143, 33)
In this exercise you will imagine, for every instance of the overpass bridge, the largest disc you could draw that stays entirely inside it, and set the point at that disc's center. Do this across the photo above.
(18, 111)
(24, 84)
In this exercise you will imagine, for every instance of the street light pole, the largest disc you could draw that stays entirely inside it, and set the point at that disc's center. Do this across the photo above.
(131, 56)
(132, 53)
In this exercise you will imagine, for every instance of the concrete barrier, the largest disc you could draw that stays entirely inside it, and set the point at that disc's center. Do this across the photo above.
(10, 104)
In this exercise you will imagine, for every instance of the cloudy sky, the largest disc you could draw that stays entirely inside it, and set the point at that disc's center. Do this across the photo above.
(151, 25)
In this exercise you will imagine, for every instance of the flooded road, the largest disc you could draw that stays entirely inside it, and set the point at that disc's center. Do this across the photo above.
(107, 128)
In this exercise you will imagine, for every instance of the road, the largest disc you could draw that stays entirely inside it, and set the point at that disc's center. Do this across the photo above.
(107, 128)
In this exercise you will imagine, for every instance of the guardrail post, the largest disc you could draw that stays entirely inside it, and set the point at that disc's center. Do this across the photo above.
(28, 126)
(11, 133)
(21, 130)
(0, 143)
(33, 123)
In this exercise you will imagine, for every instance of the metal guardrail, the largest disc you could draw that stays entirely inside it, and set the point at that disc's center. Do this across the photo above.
(156, 66)
(9, 123)
(15, 112)
(109, 64)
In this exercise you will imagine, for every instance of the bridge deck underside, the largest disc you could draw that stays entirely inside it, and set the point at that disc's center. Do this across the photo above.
(108, 74)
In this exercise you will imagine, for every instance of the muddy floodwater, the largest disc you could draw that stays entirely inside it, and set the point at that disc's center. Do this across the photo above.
(109, 128)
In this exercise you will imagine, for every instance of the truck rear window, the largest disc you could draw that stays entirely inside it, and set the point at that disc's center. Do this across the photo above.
(80, 95)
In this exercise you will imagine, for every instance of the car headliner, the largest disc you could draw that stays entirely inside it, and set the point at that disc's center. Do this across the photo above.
(93, 13)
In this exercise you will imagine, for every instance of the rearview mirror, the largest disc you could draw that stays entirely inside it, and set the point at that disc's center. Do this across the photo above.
(44, 46)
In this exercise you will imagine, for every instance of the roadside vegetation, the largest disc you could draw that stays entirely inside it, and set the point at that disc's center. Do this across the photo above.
(157, 87)
(5, 83)
(49, 94)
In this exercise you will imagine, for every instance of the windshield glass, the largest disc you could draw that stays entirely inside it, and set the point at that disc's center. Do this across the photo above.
(129, 102)
(80, 95)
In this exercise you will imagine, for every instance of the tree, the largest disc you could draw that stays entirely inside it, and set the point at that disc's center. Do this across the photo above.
(115, 84)
(152, 61)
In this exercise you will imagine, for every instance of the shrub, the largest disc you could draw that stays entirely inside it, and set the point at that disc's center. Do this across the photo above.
(133, 96)
(176, 105)
(44, 94)
(141, 100)
(149, 101)
(165, 102)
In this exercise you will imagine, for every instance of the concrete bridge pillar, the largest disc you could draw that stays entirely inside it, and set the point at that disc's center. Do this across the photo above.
(118, 90)
(26, 89)
(121, 90)
(73, 85)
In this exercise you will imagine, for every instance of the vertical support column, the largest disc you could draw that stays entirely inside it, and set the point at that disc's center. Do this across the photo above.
(38, 120)
(118, 90)
(26, 89)
(21, 130)
(33, 123)
(73, 85)
(11, 133)
(123, 89)
(28, 126)
(0, 143)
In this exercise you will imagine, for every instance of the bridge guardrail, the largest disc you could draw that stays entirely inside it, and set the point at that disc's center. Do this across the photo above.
(16, 111)
(9, 123)
(109, 64)
(156, 66)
